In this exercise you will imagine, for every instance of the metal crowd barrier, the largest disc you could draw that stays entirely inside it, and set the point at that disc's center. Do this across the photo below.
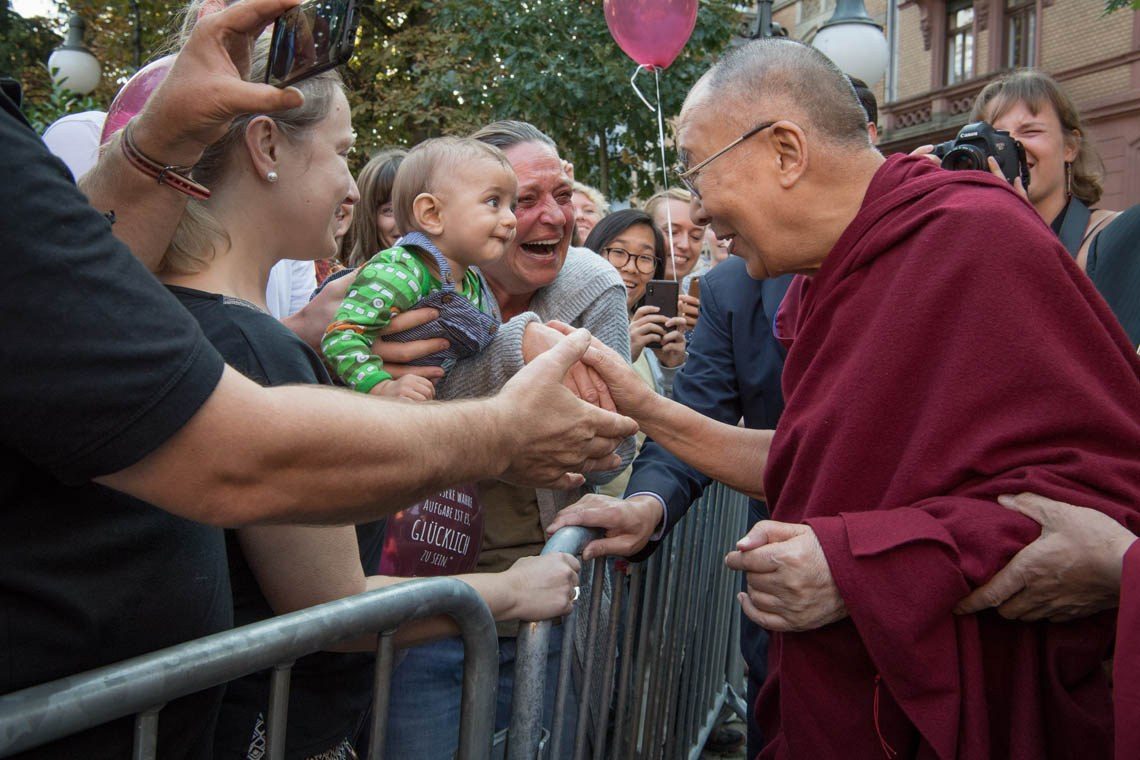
(678, 662)
(142, 685)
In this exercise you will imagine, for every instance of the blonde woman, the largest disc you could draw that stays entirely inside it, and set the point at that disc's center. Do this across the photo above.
(590, 207)
(670, 212)
(278, 186)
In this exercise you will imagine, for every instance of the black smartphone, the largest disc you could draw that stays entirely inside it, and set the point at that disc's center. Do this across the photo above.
(315, 36)
(662, 294)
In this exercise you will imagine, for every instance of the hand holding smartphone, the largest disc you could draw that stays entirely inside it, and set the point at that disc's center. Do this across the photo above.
(662, 294)
(311, 38)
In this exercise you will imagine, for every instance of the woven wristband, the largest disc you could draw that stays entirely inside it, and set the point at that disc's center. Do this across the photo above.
(176, 177)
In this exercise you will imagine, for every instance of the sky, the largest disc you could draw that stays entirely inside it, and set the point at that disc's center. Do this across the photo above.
(32, 8)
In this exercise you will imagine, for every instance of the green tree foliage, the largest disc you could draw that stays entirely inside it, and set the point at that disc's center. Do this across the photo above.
(448, 67)
(24, 48)
(41, 111)
(430, 67)
(25, 45)
(111, 36)
(1117, 5)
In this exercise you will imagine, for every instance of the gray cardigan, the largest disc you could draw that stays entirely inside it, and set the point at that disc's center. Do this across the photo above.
(588, 292)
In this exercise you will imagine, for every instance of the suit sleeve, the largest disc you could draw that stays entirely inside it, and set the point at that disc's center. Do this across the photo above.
(707, 384)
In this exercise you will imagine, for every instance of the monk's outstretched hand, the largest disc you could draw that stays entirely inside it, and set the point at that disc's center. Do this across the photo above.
(1071, 571)
(790, 587)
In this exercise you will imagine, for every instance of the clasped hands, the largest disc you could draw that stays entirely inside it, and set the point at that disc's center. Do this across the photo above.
(790, 587)
(310, 324)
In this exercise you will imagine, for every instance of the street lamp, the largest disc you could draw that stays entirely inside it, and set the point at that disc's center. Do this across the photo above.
(764, 26)
(854, 42)
(72, 65)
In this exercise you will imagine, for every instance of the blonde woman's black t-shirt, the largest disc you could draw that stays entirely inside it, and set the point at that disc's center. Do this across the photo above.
(329, 692)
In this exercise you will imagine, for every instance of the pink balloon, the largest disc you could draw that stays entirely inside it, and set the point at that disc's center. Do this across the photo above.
(134, 94)
(651, 32)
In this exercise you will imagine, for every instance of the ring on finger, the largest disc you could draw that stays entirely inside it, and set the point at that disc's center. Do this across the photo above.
(577, 593)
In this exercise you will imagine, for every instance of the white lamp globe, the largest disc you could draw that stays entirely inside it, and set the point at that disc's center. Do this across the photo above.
(854, 42)
(72, 65)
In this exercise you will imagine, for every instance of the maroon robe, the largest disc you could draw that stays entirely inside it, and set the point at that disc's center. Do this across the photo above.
(948, 351)
(1126, 664)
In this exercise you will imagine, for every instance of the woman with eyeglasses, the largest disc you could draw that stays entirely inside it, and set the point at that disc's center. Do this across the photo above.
(634, 245)
(630, 241)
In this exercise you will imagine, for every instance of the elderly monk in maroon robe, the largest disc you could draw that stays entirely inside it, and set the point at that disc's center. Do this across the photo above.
(946, 351)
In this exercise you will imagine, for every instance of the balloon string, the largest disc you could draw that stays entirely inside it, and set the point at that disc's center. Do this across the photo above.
(633, 83)
(661, 142)
(665, 172)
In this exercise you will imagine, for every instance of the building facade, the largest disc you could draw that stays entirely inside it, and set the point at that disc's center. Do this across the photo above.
(944, 51)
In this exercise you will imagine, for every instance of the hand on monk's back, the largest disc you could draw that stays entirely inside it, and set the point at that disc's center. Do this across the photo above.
(1071, 571)
(689, 307)
(553, 434)
(790, 587)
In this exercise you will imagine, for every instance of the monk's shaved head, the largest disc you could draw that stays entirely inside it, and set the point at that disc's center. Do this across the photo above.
(777, 78)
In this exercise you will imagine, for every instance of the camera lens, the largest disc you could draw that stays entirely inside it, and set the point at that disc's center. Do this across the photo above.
(965, 157)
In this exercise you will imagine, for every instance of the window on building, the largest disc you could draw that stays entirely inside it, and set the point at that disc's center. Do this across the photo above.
(959, 41)
(1020, 33)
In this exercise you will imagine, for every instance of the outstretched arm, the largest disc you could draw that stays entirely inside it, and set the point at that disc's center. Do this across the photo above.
(733, 455)
(319, 455)
(302, 566)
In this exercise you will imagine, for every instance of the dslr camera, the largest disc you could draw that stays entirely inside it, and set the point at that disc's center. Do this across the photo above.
(975, 143)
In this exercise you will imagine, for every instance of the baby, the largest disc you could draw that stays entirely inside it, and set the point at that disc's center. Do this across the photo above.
(454, 198)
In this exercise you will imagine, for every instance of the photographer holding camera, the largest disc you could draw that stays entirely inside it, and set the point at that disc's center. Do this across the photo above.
(1064, 180)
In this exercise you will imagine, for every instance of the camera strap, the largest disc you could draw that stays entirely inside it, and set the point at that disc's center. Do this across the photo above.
(1073, 225)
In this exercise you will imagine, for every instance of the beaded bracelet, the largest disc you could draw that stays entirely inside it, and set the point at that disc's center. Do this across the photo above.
(176, 177)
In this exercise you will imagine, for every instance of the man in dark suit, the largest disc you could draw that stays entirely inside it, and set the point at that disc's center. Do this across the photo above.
(732, 372)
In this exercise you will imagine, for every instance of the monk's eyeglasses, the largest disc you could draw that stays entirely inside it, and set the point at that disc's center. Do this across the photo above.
(688, 177)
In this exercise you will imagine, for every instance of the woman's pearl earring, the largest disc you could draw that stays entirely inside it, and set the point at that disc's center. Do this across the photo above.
(271, 176)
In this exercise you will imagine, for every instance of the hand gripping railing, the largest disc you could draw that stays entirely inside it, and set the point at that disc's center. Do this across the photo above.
(142, 685)
(530, 662)
(679, 656)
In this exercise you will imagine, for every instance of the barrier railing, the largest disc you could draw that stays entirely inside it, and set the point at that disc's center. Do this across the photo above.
(678, 663)
(656, 694)
(142, 685)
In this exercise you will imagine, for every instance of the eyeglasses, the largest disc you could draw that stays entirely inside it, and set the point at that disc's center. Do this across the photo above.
(619, 257)
(688, 176)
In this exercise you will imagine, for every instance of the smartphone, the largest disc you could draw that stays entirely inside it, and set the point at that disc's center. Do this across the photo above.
(315, 36)
(663, 295)
(695, 287)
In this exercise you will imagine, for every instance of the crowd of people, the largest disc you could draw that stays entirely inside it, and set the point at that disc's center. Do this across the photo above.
(925, 380)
